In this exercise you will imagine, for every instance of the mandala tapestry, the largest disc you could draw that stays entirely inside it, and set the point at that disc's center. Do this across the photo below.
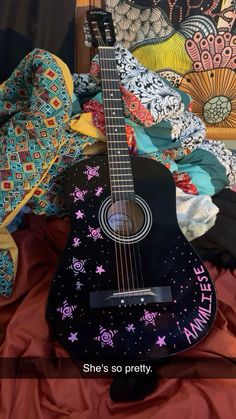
(192, 43)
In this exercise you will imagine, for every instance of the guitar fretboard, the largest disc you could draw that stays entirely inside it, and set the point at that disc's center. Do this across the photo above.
(121, 178)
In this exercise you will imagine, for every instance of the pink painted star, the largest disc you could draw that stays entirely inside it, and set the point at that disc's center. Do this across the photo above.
(98, 191)
(161, 341)
(130, 328)
(73, 337)
(66, 310)
(106, 336)
(92, 171)
(78, 194)
(95, 233)
(100, 270)
(148, 317)
(78, 265)
(79, 214)
(76, 242)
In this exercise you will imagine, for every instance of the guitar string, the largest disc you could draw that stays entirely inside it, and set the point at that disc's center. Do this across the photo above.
(119, 269)
(100, 44)
(134, 246)
(135, 223)
(124, 184)
(131, 248)
(121, 187)
(121, 249)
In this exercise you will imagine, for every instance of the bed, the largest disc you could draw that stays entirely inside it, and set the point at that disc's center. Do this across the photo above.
(41, 390)
(49, 397)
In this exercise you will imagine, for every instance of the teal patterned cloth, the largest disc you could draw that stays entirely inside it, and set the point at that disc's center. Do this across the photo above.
(6, 273)
(36, 143)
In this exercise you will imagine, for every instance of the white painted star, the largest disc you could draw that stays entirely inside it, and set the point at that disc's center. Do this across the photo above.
(79, 285)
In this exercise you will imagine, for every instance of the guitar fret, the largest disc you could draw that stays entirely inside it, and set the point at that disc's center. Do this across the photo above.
(115, 126)
(128, 187)
(121, 145)
(121, 181)
(125, 174)
(116, 154)
(121, 189)
(121, 155)
(110, 113)
(126, 190)
(121, 162)
(113, 132)
(118, 168)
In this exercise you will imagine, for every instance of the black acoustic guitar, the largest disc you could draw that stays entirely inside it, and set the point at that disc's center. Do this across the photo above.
(129, 285)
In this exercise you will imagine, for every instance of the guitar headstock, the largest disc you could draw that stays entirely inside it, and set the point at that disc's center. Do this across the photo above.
(101, 28)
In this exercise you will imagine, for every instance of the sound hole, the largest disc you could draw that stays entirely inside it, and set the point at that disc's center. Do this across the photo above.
(125, 217)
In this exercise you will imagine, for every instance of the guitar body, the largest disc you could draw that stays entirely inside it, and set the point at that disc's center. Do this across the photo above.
(159, 301)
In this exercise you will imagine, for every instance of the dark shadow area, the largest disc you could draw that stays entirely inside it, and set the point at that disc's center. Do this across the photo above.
(13, 47)
(46, 24)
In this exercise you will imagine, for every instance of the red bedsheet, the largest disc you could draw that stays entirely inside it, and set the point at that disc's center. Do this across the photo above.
(25, 333)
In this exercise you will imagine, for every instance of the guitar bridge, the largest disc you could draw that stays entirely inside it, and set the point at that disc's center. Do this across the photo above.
(108, 298)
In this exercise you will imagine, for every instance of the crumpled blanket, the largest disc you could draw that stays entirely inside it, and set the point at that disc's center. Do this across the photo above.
(35, 107)
(37, 144)
(202, 171)
(196, 213)
(167, 120)
(219, 243)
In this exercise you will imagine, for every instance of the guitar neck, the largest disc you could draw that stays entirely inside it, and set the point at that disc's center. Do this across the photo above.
(121, 178)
